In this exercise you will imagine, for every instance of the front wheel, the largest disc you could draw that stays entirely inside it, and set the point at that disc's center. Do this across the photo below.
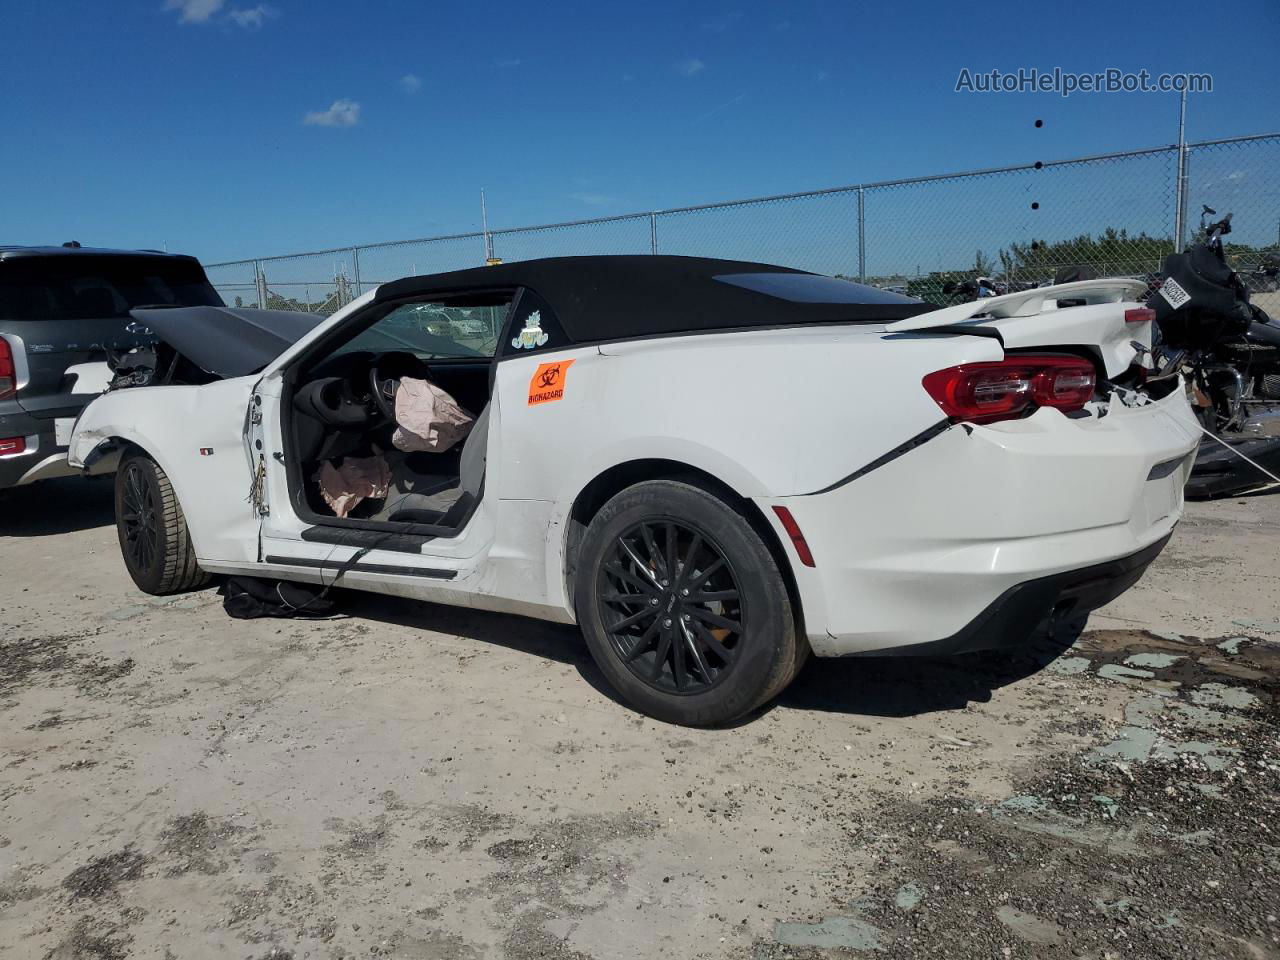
(683, 606)
(154, 539)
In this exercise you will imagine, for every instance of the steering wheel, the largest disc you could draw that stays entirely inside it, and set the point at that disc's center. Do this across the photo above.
(383, 390)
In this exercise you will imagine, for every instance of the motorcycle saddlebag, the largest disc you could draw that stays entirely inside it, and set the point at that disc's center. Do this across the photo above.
(1216, 303)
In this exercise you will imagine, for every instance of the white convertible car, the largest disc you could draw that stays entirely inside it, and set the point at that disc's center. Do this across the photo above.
(712, 467)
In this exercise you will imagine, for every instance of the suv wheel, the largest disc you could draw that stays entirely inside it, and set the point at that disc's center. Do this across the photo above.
(153, 532)
(683, 606)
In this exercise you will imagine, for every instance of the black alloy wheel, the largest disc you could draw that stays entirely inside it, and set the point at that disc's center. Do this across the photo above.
(139, 523)
(683, 603)
(672, 606)
(154, 540)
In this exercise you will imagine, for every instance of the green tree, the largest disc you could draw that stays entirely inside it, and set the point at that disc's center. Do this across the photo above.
(1111, 253)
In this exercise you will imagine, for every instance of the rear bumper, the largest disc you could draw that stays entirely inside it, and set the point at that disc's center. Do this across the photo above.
(1015, 614)
(43, 458)
(959, 542)
(38, 437)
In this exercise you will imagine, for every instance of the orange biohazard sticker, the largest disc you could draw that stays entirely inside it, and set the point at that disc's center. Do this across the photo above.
(547, 383)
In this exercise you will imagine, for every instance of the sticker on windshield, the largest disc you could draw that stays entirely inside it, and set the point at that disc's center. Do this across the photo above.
(532, 335)
(1172, 291)
(547, 383)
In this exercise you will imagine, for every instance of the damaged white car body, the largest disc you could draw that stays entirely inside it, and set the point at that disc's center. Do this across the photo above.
(713, 467)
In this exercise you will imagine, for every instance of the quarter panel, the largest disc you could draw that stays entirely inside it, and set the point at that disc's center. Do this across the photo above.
(771, 413)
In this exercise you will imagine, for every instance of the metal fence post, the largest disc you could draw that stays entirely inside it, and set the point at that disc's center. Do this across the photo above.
(355, 268)
(1180, 196)
(260, 284)
(862, 235)
(1183, 195)
(653, 231)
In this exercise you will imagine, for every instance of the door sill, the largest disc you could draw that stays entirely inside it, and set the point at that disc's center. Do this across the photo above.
(372, 539)
(387, 569)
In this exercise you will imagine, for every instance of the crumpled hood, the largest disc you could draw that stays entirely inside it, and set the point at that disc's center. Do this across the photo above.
(227, 341)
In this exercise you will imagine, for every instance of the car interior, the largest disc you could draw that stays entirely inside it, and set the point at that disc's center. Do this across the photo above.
(343, 406)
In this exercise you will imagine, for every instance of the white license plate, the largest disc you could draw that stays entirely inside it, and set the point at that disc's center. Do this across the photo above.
(62, 430)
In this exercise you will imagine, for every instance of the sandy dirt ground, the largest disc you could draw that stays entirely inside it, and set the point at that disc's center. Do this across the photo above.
(414, 781)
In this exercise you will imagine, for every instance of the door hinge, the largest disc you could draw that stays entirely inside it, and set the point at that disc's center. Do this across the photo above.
(258, 490)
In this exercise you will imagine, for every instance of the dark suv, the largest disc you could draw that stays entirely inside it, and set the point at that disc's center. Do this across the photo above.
(63, 310)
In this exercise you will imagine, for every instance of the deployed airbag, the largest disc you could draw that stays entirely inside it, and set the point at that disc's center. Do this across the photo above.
(227, 341)
(344, 485)
(428, 418)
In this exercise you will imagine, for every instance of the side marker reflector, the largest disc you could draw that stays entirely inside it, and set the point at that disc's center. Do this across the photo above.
(797, 538)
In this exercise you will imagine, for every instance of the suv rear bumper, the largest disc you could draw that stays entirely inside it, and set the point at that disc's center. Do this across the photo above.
(42, 459)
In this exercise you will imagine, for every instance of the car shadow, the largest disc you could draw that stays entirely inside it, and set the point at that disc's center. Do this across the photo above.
(888, 686)
(858, 686)
(53, 507)
(552, 641)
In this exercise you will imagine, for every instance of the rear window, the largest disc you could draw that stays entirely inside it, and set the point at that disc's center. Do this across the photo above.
(89, 287)
(811, 288)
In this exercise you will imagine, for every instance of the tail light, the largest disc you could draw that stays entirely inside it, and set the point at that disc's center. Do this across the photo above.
(8, 375)
(1139, 315)
(11, 445)
(1005, 389)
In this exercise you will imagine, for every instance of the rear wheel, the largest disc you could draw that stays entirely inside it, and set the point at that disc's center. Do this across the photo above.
(683, 606)
(154, 539)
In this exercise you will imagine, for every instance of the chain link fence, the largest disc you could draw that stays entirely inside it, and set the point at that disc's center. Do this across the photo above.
(1116, 214)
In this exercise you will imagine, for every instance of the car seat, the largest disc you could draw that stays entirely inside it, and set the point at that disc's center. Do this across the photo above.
(439, 498)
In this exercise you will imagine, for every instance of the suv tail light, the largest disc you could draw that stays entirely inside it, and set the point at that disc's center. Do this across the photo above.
(8, 375)
(11, 445)
(1005, 389)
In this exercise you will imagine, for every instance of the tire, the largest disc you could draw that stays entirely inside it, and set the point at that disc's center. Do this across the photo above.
(702, 646)
(154, 540)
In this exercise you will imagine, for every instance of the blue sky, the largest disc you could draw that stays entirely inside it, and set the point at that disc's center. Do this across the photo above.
(226, 128)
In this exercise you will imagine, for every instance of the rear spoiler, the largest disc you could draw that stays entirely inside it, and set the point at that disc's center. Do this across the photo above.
(1025, 303)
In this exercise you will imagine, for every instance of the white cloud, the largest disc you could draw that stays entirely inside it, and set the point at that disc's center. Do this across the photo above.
(691, 66)
(203, 11)
(411, 83)
(343, 113)
(194, 11)
(251, 18)
(509, 64)
(1237, 175)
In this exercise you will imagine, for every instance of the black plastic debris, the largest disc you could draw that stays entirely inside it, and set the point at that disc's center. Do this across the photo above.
(247, 598)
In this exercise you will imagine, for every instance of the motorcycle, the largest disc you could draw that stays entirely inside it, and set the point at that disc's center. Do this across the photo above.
(976, 288)
(1227, 349)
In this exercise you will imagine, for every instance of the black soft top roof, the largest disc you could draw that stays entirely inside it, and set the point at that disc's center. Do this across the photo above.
(619, 297)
